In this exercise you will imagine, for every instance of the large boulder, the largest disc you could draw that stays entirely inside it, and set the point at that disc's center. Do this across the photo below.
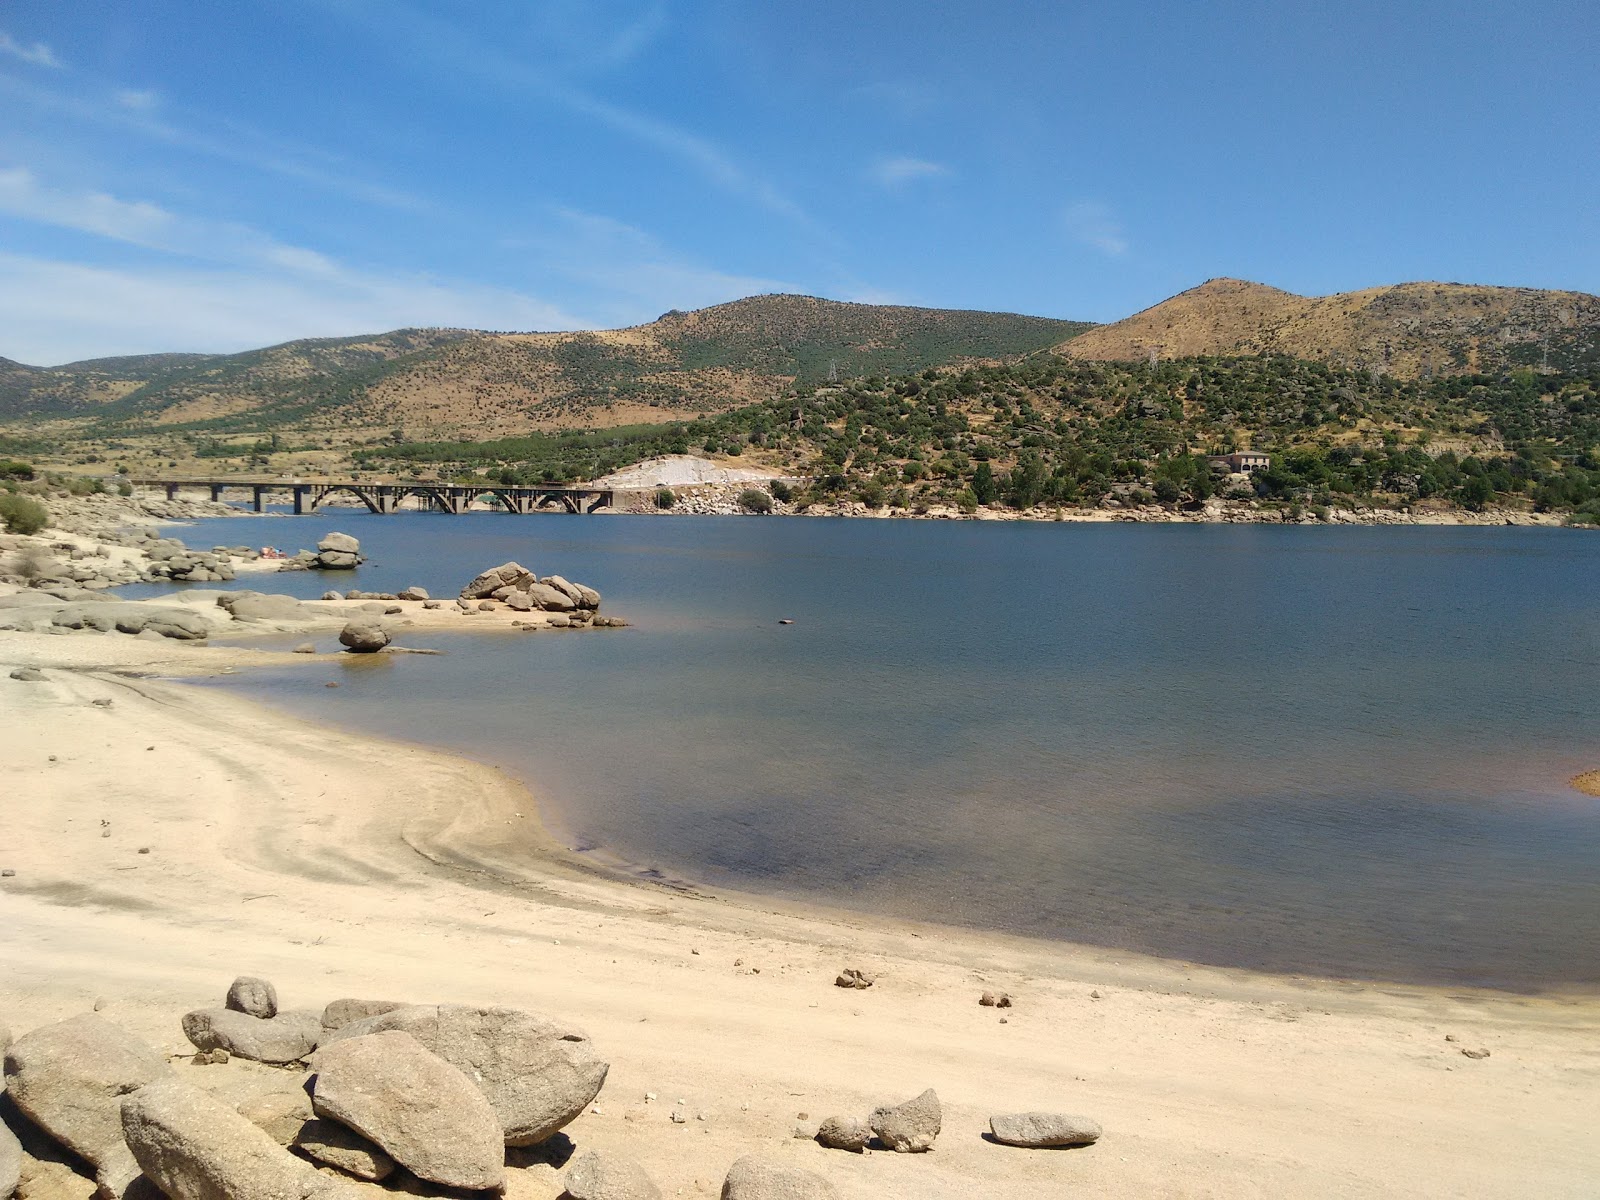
(253, 996)
(194, 1147)
(285, 1038)
(421, 1110)
(1038, 1129)
(756, 1178)
(10, 1161)
(68, 1079)
(182, 624)
(337, 552)
(364, 637)
(511, 575)
(537, 1074)
(550, 599)
(909, 1128)
(596, 1176)
(340, 543)
(582, 597)
(258, 606)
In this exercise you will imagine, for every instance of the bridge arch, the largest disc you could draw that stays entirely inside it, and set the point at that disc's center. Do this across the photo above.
(360, 493)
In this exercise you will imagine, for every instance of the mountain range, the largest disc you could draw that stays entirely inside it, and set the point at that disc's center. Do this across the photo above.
(444, 383)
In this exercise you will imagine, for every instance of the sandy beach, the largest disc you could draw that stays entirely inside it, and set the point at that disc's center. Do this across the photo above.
(338, 865)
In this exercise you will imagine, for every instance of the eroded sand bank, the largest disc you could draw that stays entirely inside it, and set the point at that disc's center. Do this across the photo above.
(340, 865)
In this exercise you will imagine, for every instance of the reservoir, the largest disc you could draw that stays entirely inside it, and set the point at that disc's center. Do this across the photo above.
(1337, 751)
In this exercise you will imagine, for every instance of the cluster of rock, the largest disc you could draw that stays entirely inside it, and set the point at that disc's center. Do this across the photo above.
(377, 1093)
(571, 605)
(912, 1127)
(429, 1092)
(104, 514)
(171, 559)
(335, 552)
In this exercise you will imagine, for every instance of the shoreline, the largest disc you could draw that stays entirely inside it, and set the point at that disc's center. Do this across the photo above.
(338, 863)
(279, 846)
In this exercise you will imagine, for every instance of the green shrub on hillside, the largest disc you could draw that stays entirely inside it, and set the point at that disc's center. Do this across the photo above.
(754, 500)
(666, 498)
(20, 514)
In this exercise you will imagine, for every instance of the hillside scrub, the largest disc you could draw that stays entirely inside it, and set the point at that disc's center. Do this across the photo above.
(22, 514)
(1049, 432)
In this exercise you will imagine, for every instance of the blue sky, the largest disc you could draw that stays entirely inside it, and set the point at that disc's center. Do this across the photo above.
(204, 176)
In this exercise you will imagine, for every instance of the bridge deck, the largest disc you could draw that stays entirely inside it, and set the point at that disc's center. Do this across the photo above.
(386, 497)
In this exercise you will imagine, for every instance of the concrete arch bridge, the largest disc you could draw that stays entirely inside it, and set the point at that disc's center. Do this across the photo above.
(384, 498)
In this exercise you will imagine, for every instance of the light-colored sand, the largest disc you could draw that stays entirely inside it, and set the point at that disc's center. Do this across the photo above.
(1588, 783)
(338, 865)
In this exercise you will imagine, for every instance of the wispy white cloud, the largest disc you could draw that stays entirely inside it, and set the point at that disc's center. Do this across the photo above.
(1096, 226)
(444, 44)
(38, 53)
(235, 143)
(217, 286)
(897, 171)
(143, 224)
(55, 311)
(138, 99)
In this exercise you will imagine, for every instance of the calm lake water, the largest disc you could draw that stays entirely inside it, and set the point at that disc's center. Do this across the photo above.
(1332, 750)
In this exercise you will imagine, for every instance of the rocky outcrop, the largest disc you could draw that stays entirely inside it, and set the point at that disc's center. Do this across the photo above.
(538, 1075)
(1038, 1129)
(194, 1147)
(521, 589)
(364, 637)
(421, 1110)
(596, 1176)
(176, 623)
(337, 552)
(909, 1128)
(258, 606)
(756, 1178)
(68, 1079)
(284, 1038)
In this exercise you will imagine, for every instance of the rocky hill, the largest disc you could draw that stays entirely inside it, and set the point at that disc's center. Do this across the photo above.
(1408, 330)
(439, 382)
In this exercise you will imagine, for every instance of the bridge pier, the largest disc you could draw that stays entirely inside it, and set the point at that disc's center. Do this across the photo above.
(216, 491)
(300, 493)
(172, 491)
(258, 495)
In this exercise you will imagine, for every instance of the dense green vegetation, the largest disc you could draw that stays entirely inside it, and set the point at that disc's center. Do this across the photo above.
(1049, 432)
